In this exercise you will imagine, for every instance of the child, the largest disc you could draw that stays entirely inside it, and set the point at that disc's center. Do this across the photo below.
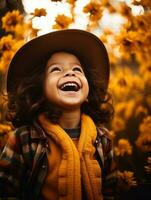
(57, 87)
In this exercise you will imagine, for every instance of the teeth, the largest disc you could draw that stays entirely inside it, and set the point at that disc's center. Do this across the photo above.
(69, 84)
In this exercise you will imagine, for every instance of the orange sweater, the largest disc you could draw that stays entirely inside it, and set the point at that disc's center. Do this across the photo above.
(69, 164)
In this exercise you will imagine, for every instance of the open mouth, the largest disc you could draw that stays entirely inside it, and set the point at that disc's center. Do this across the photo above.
(70, 86)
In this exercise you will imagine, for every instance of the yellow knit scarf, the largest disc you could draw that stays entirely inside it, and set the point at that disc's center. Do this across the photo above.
(77, 162)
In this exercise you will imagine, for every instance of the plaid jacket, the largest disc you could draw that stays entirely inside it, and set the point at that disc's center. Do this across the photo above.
(23, 163)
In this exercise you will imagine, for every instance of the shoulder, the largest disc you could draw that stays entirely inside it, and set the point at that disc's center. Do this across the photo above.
(22, 131)
(20, 144)
(25, 130)
(34, 130)
(20, 135)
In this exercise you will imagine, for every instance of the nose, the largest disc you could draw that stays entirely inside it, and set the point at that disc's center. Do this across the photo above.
(69, 73)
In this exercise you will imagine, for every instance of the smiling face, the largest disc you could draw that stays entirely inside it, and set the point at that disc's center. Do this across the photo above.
(65, 83)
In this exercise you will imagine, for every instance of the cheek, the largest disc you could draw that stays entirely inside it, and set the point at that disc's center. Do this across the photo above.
(50, 87)
(86, 88)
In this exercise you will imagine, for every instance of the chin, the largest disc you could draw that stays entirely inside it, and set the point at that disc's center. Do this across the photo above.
(71, 105)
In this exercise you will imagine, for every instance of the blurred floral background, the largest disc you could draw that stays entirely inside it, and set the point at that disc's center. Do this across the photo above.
(125, 28)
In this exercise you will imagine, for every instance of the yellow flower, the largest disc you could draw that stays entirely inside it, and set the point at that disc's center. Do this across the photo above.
(112, 134)
(121, 86)
(94, 10)
(130, 108)
(124, 83)
(145, 3)
(6, 43)
(145, 69)
(18, 44)
(22, 31)
(8, 46)
(134, 37)
(126, 43)
(71, 1)
(141, 110)
(145, 126)
(123, 147)
(103, 38)
(143, 141)
(127, 178)
(110, 7)
(62, 22)
(34, 33)
(5, 60)
(120, 108)
(107, 33)
(29, 31)
(148, 101)
(118, 124)
(125, 10)
(38, 12)
(137, 82)
(147, 79)
(125, 108)
(11, 19)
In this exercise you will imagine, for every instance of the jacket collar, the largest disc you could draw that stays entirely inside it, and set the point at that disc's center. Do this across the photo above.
(37, 131)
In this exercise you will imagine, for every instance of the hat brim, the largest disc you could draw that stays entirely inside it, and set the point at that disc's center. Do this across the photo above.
(83, 44)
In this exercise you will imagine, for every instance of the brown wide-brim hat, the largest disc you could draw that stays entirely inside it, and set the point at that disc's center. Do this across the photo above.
(85, 45)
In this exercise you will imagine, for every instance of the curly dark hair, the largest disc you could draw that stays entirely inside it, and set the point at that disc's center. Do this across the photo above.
(27, 101)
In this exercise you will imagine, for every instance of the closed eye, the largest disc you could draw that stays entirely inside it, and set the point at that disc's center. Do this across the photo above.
(53, 69)
(78, 69)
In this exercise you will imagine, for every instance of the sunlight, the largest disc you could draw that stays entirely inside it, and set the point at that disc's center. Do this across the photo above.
(112, 21)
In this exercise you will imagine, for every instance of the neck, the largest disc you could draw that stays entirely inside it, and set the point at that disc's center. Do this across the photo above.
(70, 119)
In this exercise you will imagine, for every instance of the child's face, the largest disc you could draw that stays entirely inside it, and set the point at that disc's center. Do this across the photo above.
(65, 83)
